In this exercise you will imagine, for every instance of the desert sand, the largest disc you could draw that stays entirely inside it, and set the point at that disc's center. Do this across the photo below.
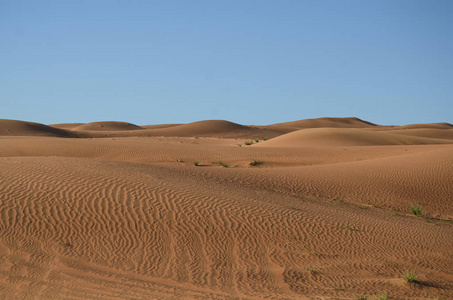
(310, 209)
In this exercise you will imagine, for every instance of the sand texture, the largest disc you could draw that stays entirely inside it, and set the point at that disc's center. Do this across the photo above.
(320, 209)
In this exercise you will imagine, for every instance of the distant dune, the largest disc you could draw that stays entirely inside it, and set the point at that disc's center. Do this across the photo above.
(429, 133)
(428, 125)
(216, 128)
(159, 126)
(107, 126)
(226, 129)
(67, 126)
(328, 137)
(22, 128)
(328, 122)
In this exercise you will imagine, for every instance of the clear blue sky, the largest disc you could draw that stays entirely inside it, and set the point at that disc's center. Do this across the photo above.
(251, 62)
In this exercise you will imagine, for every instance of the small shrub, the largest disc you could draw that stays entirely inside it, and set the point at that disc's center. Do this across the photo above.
(381, 296)
(195, 163)
(255, 163)
(223, 164)
(410, 276)
(248, 143)
(265, 139)
(67, 244)
(362, 297)
(257, 140)
(312, 252)
(312, 271)
(346, 226)
(416, 210)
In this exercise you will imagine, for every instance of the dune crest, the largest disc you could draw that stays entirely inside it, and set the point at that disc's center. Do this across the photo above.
(333, 137)
(351, 122)
(107, 126)
(23, 128)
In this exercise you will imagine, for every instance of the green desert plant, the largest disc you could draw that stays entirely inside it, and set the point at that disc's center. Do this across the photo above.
(257, 140)
(382, 296)
(248, 143)
(416, 209)
(410, 276)
(223, 164)
(362, 297)
(346, 226)
(312, 271)
(195, 163)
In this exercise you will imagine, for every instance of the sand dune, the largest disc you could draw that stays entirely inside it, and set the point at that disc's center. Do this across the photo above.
(22, 128)
(426, 132)
(330, 137)
(67, 126)
(428, 125)
(216, 128)
(159, 126)
(328, 122)
(133, 217)
(107, 126)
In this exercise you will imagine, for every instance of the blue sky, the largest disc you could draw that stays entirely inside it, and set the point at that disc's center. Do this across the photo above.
(251, 62)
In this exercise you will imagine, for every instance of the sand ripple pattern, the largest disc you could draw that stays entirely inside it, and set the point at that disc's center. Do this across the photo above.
(77, 228)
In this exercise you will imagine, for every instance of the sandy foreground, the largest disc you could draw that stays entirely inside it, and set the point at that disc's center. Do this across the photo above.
(312, 209)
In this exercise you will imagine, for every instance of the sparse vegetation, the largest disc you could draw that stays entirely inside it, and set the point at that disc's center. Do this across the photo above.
(257, 140)
(195, 163)
(416, 210)
(67, 244)
(248, 143)
(312, 271)
(346, 226)
(410, 276)
(223, 164)
(362, 297)
(240, 145)
(382, 296)
(292, 207)
(312, 252)
(255, 163)
(265, 139)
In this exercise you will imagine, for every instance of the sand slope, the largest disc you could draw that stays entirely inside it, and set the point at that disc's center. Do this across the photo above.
(328, 122)
(22, 128)
(107, 126)
(332, 137)
(67, 126)
(134, 218)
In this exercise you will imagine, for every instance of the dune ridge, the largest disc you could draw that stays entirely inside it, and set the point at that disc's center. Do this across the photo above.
(331, 137)
(107, 126)
(23, 128)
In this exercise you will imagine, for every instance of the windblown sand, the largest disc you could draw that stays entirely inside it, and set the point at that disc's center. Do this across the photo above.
(112, 210)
